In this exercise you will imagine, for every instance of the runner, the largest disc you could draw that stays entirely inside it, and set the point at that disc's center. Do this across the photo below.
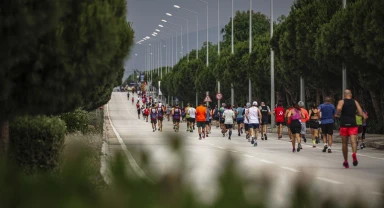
(240, 120)
(314, 124)
(295, 114)
(133, 100)
(153, 113)
(128, 95)
(160, 116)
(289, 122)
(186, 109)
(229, 116)
(265, 112)
(246, 122)
(192, 118)
(253, 115)
(279, 116)
(201, 119)
(208, 119)
(216, 116)
(142, 111)
(169, 110)
(138, 109)
(222, 126)
(146, 113)
(348, 127)
(303, 121)
(327, 113)
(176, 114)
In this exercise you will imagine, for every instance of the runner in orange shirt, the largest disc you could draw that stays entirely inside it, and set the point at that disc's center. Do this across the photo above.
(201, 119)
(303, 121)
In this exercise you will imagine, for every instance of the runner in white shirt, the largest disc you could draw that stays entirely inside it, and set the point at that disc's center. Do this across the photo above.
(192, 118)
(253, 115)
(229, 115)
(246, 122)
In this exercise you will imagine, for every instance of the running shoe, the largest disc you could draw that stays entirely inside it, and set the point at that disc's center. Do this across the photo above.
(199, 136)
(229, 138)
(317, 140)
(329, 151)
(305, 139)
(153, 130)
(361, 146)
(203, 134)
(358, 147)
(354, 157)
(255, 144)
(262, 138)
(346, 164)
(266, 138)
(207, 135)
(193, 127)
(241, 130)
(293, 150)
(223, 134)
(325, 148)
(314, 146)
(364, 145)
(238, 134)
(252, 140)
(298, 147)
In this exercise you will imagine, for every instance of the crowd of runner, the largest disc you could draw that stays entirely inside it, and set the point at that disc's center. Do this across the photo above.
(251, 120)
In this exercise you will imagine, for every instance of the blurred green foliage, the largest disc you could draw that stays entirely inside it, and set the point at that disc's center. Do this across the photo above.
(79, 184)
(77, 120)
(36, 142)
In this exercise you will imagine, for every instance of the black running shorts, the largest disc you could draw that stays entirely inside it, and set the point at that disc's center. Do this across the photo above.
(295, 127)
(327, 129)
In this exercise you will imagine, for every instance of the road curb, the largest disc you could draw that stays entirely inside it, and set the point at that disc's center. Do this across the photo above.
(105, 157)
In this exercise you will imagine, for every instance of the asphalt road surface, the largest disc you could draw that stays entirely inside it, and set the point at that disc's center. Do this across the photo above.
(274, 158)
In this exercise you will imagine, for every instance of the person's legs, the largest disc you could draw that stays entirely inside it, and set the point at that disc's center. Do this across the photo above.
(329, 136)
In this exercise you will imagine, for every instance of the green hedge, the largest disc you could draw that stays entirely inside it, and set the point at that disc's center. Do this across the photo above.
(77, 120)
(36, 142)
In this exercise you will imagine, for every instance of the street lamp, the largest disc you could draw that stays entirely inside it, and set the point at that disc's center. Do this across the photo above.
(207, 32)
(169, 14)
(176, 36)
(181, 36)
(197, 27)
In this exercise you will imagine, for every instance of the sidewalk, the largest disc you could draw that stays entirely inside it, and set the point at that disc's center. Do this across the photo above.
(372, 140)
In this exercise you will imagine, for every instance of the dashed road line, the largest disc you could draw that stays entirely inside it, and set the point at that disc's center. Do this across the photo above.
(266, 161)
(220, 147)
(329, 180)
(250, 156)
(290, 169)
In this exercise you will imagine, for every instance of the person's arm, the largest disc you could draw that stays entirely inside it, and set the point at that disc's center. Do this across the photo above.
(339, 108)
(247, 115)
(289, 113)
(360, 111)
(233, 116)
(173, 112)
(260, 116)
(302, 114)
(269, 111)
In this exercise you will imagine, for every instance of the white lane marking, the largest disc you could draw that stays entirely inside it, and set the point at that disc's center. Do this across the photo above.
(128, 154)
(377, 193)
(329, 180)
(290, 169)
(234, 151)
(126, 107)
(266, 161)
(370, 156)
(250, 156)
(358, 154)
(220, 147)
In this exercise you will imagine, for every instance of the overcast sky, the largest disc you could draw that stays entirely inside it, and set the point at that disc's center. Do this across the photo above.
(146, 15)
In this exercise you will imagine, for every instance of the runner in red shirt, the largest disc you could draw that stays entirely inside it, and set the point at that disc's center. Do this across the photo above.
(289, 121)
(138, 109)
(279, 115)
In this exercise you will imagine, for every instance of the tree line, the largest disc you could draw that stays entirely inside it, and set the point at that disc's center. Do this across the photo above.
(313, 41)
(57, 56)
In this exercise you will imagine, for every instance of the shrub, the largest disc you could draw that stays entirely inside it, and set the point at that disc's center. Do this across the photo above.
(77, 120)
(36, 142)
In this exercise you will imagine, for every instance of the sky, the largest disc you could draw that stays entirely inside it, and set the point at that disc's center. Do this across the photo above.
(146, 15)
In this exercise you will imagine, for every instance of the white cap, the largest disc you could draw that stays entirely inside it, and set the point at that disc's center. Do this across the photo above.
(254, 103)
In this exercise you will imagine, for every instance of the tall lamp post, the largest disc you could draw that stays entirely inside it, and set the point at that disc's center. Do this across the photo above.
(197, 27)
(169, 14)
(181, 34)
(272, 70)
(207, 32)
(344, 67)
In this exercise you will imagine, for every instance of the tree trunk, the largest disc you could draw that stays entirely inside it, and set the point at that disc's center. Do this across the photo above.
(4, 139)
(375, 104)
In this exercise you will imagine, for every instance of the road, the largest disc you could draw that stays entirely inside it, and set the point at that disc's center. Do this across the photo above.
(204, 159)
